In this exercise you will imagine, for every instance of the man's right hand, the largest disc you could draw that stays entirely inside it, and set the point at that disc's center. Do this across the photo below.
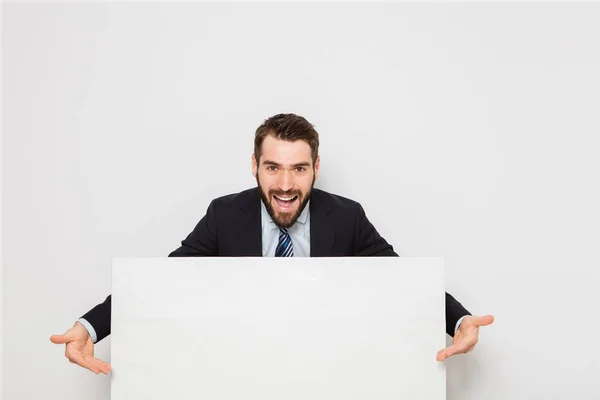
(80, 349)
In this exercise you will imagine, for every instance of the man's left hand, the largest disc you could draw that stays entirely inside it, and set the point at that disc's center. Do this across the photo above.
(466, 336)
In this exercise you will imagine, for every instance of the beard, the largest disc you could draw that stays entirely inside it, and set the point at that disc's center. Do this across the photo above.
(285, 219)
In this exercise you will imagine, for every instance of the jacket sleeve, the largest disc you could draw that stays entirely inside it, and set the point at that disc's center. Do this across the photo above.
(368, 242)
(202, 242)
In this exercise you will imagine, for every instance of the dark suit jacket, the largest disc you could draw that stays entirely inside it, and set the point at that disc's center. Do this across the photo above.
(232, 228)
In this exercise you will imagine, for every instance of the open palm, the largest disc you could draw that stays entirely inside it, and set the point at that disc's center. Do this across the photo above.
(79, 349)
(466, 336)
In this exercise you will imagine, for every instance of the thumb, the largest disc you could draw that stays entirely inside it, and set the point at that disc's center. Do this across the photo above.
(60, 339)
(484, 321)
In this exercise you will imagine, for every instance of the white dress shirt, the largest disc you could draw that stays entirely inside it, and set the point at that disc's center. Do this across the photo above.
(299, 233)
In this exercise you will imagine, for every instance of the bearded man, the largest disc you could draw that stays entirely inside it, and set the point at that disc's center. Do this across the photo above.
(284, 216)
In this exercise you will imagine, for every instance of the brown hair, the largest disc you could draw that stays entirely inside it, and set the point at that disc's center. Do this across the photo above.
(290, 127)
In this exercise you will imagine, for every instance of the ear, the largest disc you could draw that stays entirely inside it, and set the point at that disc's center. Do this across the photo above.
(254, 165)
(317, 166)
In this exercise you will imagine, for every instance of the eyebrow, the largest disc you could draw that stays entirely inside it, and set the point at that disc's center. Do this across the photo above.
(300, 164)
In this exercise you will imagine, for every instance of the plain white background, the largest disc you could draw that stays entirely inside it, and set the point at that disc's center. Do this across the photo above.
(466, 131)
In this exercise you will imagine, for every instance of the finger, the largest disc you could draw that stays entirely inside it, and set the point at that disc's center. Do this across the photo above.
(60, 339)
(441, 355)
(453, 349)
(484, 321)
(102, 365)
(89, 362)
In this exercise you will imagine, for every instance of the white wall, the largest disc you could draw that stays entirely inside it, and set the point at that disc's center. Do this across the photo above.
(1, 210)
(466, 131)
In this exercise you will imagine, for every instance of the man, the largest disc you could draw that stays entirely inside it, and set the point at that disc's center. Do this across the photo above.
(284, 216)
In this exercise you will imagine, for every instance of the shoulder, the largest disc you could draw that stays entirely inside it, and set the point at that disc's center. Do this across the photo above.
(239, 197)
(238, 200)
(335, 201)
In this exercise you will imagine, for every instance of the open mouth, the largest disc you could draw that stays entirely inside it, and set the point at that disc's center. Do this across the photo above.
(285, 202)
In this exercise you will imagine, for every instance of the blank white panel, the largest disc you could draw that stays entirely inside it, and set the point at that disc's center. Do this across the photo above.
(301, 328)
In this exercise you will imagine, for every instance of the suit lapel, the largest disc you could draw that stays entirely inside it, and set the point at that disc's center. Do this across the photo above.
(322, 231)
(250, 226)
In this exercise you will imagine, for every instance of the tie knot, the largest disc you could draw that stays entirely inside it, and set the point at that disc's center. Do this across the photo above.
(283, 230)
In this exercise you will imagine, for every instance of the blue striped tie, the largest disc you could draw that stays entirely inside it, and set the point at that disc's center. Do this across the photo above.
(284, 247)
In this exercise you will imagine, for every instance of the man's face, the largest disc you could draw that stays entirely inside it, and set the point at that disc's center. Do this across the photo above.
(285, 177)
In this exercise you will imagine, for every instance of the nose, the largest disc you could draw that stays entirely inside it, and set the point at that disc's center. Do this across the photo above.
(285, 181)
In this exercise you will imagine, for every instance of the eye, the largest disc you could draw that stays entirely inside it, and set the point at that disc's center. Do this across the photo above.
(271, 168)
(300, 169)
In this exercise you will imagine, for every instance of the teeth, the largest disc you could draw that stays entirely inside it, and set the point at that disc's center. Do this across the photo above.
(285, 198)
